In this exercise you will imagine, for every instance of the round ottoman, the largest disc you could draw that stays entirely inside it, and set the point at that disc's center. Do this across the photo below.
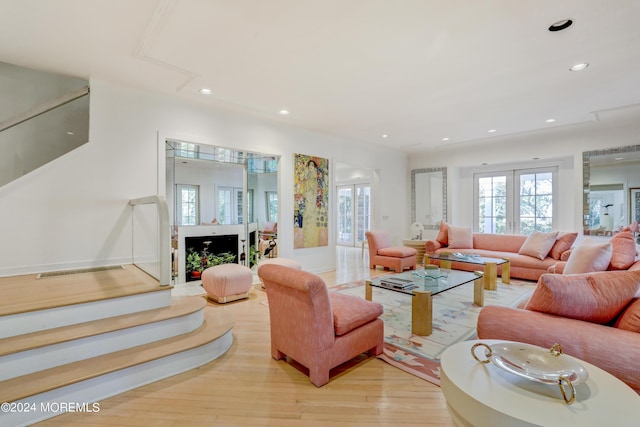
(279, 261)
(227, 282)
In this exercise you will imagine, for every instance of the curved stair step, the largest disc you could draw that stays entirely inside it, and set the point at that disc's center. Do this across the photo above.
(181, 306)
(217, 324)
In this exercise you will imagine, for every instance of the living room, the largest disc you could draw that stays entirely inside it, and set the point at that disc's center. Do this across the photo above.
(73, 213)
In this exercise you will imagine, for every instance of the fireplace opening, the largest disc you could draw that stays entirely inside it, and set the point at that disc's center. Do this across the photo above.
(203, 252)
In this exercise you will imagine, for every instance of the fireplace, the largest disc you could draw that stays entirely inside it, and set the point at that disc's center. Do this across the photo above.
(205, 251)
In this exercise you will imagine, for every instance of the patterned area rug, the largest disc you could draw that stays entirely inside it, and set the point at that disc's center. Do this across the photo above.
(454, 320)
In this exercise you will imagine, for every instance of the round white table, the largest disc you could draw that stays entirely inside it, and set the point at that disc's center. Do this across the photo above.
(485, 395)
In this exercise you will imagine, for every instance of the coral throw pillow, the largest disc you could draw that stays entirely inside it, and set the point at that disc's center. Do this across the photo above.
(592, 297)
(443, 235)
(460, 238)
(562, 244)
(624, 251)
(589, 257)
(538, 244)
(630, 317)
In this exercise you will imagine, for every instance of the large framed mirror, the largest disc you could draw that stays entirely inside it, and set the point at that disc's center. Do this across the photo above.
(611, 180)
(219, 199)
(429, 197)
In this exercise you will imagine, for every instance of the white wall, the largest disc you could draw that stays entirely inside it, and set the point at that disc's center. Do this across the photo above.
(562, 146)
(73, 212)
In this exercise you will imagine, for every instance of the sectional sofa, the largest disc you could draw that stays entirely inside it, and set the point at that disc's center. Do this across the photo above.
(523, 266)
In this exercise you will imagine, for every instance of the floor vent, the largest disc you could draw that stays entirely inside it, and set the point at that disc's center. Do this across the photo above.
(78, 271)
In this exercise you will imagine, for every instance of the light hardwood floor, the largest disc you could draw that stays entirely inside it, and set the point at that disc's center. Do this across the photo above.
(246, 387)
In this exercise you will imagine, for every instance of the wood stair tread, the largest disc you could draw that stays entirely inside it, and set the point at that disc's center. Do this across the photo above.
(217, 323)
(19, 291)
(181, 306)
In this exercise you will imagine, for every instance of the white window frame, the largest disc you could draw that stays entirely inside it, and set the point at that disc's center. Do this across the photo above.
(512, 211)
(180, 203)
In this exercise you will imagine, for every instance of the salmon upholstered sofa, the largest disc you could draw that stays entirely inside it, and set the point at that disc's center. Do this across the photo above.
(593, 316)
(509, 246)
(317, 328)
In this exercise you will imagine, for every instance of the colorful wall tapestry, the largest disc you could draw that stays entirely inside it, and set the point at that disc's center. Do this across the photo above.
(311, 204)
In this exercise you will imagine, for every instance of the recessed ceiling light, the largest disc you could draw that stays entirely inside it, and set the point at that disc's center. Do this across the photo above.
(579, 67)
(560, 25)
(484, 164)
(535, 158)
(550, 120)
(206, 91)
(70, 133)
(619, 158)
(445, 139)
(385, 135)
(491, 130)
(284, 112)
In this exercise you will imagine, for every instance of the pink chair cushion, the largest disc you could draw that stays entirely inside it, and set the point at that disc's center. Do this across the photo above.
(563, 243)
(351, 312)
(397, 251)
(624, 251)
(593, 297)
(630, 317)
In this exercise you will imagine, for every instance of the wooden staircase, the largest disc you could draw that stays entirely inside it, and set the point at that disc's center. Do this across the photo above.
(67, 341)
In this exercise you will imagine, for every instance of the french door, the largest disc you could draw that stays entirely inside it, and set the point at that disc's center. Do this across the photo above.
(515, 201)
(354, 213)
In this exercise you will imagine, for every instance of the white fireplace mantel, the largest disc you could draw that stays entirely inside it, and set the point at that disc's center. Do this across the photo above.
(209, 230)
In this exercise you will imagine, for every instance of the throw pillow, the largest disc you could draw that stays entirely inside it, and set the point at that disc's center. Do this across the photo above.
(592, 297)
(443, 235)
(562, 244)
(630, 317)
(538, 244)
(624, 251)
(589, 257)
(460, 238)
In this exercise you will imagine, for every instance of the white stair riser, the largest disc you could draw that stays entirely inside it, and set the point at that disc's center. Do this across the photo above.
(95, 389)
(24, 323)
(26, 362)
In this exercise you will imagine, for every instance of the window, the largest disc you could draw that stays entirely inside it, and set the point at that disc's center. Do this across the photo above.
(187, 211)
(354, 213)
(185, 149)
(229, 205)
(272, 206)
(515, 201)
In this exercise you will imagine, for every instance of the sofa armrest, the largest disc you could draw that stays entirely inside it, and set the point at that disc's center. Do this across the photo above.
(431, 246)
(607, 347)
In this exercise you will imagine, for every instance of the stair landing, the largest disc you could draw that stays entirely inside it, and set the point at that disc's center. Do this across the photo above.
(18, 292)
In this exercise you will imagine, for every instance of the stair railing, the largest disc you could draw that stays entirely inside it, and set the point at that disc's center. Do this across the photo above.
(151, 237)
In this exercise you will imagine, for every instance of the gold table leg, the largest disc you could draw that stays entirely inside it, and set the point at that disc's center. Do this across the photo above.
(422, 313)
(478, 289)
(368, 290)
(446, 264)
(490, 276)
(506, 272)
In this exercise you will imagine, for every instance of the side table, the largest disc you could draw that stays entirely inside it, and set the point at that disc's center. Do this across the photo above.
(419, 246)
(485, 395)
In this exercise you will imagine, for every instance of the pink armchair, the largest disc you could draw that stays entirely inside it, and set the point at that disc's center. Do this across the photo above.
(317, 328)
(382, 253)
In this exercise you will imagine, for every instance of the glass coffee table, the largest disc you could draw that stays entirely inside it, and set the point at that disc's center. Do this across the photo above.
(423, 289)
(490, 266)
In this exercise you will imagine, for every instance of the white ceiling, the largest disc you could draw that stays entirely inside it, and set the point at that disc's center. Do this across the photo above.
(417, 70)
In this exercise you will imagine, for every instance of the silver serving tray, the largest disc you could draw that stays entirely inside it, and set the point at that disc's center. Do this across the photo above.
(536, 364)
